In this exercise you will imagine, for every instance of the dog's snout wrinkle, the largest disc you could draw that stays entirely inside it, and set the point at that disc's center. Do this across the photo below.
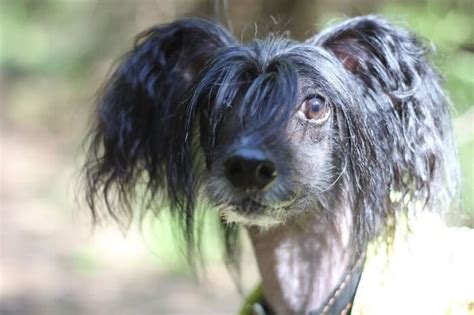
(250, 168)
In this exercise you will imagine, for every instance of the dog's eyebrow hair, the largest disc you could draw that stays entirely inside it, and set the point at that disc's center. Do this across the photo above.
(305, 88)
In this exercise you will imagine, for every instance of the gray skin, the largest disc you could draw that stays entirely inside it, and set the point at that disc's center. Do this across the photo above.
(302, 252)
(301, 263)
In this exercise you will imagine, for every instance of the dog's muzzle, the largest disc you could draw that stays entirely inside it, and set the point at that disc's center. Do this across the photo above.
(250, 168)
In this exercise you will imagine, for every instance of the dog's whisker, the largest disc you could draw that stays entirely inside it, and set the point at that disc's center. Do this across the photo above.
(337, 178)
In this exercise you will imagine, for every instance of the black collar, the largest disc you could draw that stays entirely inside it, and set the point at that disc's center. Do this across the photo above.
(339, 302)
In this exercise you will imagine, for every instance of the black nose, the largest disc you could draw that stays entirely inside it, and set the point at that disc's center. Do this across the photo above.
(249, 168)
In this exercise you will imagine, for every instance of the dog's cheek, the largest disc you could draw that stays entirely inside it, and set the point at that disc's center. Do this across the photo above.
(312, 150)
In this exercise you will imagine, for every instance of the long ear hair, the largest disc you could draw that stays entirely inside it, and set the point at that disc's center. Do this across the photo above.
(397, 134)
(143, 132)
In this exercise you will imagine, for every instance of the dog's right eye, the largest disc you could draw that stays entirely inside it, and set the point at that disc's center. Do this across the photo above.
(315, 108)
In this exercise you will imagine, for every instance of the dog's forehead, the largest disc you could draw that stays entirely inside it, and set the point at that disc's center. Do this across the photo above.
(310, 62)
(271, 47)
(265, 81)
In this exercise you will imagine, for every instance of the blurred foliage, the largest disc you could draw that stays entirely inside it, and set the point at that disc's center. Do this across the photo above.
(452, 33)
(54, 37)
(55, 53)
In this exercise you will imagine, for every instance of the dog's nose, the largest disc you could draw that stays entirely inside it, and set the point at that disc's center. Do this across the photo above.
(250, 168)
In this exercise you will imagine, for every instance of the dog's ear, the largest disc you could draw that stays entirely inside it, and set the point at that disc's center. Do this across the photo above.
(144, 126)
(396, 125)
(378, 52)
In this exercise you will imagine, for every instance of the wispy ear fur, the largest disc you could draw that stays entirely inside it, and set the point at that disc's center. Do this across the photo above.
(144, 130)
(399, 140)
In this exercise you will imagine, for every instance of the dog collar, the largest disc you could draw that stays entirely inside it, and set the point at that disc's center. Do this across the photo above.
(339, 302)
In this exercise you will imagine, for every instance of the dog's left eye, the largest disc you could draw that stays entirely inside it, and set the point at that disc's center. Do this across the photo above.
(315, 108)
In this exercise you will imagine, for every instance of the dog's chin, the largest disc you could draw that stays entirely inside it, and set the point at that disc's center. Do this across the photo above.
(260, 219)
(249, 212)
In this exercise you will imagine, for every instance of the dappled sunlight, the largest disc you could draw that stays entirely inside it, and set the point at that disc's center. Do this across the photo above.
(426, 267)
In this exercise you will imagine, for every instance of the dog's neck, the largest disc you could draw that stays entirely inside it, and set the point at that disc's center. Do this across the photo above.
(302, 262)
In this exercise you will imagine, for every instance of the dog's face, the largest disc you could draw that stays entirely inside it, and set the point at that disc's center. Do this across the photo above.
(355, 117)
(272, 154)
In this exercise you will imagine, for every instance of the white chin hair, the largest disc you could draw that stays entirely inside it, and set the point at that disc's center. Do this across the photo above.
(262, 221)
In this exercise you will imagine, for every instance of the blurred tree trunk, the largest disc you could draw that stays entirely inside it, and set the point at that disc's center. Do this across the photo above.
(299, 17)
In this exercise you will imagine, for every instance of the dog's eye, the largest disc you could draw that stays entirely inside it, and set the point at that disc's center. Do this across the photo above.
(315, 108)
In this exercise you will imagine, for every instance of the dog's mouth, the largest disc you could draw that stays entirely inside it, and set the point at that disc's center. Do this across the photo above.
(253, 207)
(250, 206)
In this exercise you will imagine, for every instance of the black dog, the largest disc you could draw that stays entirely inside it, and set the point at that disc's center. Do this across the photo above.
(315, 147)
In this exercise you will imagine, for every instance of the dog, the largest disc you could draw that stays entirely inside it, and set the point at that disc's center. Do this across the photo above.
(316, 148)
